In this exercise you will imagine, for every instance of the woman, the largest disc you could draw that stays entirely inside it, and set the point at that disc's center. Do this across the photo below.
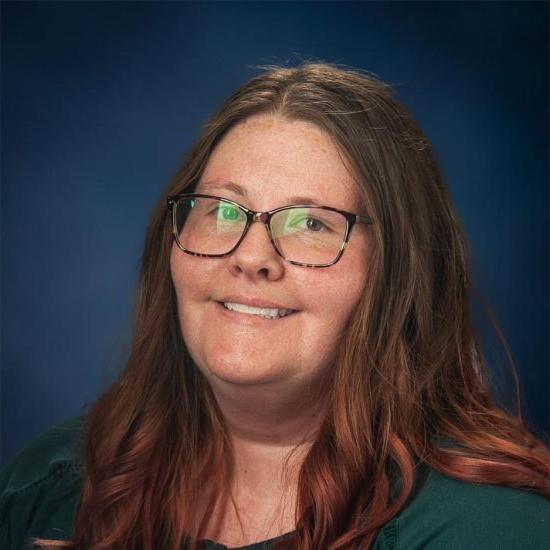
(314, 383)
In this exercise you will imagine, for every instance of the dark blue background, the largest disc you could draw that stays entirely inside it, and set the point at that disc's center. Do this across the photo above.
(100, 101)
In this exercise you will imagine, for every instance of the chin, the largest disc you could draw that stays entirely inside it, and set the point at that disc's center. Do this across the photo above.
(242, 374)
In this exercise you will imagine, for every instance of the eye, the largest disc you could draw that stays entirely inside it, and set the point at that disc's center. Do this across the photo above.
(227, 212)
(315, 224)
(307, 222)
(224, 212)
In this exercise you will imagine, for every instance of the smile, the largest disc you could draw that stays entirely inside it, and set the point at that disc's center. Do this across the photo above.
(265, 313)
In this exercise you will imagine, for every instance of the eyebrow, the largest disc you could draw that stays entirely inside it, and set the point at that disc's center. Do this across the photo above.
(236, 188)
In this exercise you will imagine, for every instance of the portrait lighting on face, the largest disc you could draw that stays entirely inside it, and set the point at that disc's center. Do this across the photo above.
(292, 270)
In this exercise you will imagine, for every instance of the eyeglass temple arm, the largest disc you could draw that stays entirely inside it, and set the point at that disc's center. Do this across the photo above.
(363, 219)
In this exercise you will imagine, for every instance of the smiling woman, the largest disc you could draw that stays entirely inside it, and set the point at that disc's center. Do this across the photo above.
(272, 158)
(304, 373)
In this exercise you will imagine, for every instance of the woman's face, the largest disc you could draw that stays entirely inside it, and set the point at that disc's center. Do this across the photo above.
(263, 163)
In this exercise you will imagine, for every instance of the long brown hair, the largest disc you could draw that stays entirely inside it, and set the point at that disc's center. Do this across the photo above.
(409, 381)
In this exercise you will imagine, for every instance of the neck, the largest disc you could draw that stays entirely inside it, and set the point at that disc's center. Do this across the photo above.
(270, 436)
(269, 414)
(271, 430)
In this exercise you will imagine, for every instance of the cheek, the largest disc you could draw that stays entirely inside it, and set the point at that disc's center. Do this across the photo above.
(339, 288)
(341, 306)
(341, 298)
(187, 276)
(191, 289)
(332, 302)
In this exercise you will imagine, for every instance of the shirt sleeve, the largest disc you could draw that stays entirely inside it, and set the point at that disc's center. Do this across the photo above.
(40, 489)
(450, 514)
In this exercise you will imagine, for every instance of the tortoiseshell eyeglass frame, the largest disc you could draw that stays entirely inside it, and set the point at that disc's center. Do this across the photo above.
(265, 218)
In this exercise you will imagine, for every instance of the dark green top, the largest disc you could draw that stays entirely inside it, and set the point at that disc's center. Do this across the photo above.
(39, 492)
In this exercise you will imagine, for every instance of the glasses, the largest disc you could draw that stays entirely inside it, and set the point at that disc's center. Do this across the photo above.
(306, 235)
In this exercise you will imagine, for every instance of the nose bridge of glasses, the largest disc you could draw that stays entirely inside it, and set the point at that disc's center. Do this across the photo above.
(262, 217)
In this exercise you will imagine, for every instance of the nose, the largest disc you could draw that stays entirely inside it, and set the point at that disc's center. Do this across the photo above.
(255, 256)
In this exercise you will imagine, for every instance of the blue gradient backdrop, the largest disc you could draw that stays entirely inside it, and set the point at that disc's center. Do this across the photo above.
(101, 100)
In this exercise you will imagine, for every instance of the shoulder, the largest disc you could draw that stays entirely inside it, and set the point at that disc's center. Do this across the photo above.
(39, 488)
(56, 449)
(451, 514)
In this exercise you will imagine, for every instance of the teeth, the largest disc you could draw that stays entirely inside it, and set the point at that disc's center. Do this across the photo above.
(265, 312)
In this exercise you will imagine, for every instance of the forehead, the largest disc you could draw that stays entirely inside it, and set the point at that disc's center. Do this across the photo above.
(268, 161)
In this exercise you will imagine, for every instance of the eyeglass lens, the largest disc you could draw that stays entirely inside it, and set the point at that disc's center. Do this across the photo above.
(309, 235)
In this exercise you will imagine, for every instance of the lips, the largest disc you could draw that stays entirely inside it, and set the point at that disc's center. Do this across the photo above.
(266, 313)
(253, 301)
(250, 315)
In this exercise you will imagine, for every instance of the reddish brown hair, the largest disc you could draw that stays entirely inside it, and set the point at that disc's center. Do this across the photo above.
(408, 379)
